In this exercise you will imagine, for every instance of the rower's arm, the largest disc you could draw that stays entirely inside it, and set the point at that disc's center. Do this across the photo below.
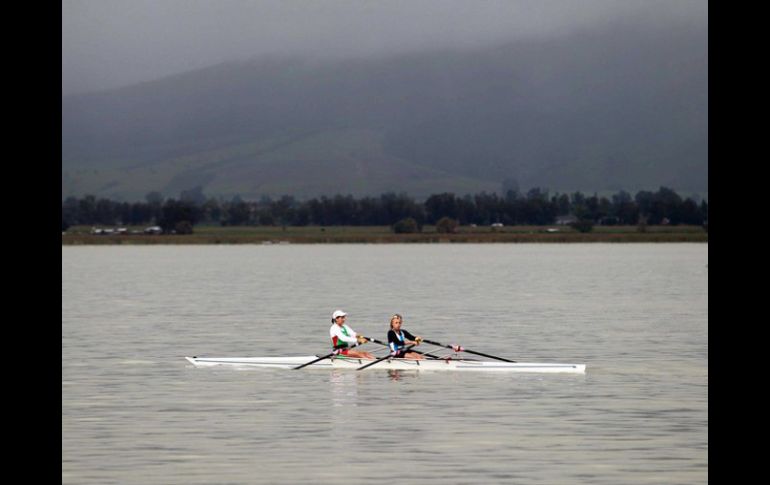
(411, 338)
(349, 339)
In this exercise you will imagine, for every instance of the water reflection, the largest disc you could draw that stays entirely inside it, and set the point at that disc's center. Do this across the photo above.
(397, 375)
(344, 387)
(344, 383)
(639, 416)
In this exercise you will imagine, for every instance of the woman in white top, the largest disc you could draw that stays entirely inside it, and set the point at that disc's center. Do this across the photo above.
(343, 337)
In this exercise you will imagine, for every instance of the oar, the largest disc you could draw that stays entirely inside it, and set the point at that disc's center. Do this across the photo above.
(383, 358)
(466, 350)
(415, 351)
(336, 351)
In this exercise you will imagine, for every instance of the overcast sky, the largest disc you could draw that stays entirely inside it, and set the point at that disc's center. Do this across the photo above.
(112, 43)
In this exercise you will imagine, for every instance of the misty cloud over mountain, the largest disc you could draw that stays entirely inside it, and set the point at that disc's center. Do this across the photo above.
(592, 111)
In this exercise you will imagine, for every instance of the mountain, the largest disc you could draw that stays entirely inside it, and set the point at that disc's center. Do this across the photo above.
(599, 111)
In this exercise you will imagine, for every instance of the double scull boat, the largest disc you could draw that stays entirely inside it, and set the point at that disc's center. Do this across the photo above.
(343, 362)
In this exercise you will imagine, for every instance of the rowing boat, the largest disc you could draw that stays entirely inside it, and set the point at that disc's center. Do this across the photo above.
(342, 362)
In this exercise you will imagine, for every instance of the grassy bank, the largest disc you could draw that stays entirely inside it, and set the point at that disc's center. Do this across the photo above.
(79, 235)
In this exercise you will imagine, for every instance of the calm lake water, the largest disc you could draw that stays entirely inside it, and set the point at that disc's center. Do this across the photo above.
(135, 412)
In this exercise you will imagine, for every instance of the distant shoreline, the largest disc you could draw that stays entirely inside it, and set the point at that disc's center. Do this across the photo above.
(203, 235)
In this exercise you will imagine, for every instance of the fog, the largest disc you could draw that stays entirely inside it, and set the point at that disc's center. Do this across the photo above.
(113, 43)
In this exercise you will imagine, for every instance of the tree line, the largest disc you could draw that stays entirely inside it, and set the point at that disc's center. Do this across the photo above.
(536, 207)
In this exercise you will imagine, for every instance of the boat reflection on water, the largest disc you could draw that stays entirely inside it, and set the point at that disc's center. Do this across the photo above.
(344, 386)
(397, 375)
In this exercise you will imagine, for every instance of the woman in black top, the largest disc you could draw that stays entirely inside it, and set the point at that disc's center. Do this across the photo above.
(398, 339)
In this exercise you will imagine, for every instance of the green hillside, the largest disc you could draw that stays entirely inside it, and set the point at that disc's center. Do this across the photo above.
(336, 161)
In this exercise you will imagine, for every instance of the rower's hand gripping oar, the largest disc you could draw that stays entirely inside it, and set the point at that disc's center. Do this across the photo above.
(461, 349)
(388, 356)
(415, 351)
(335, 352)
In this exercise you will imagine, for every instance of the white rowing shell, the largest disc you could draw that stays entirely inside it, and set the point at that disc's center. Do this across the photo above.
(393, 364)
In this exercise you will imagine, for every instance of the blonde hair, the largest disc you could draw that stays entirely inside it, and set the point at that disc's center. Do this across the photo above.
(396, 315)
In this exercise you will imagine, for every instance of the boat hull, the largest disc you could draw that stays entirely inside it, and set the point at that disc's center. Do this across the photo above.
(391, 364)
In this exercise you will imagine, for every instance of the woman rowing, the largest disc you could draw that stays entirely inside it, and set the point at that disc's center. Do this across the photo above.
(344, 337)
(398, 339)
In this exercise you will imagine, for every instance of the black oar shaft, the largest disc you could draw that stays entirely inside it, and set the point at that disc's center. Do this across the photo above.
(383, 358)
(466, 350)
(326, 356)
(487, 355)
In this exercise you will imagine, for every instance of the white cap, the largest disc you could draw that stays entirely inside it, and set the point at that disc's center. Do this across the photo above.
(338, 313)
